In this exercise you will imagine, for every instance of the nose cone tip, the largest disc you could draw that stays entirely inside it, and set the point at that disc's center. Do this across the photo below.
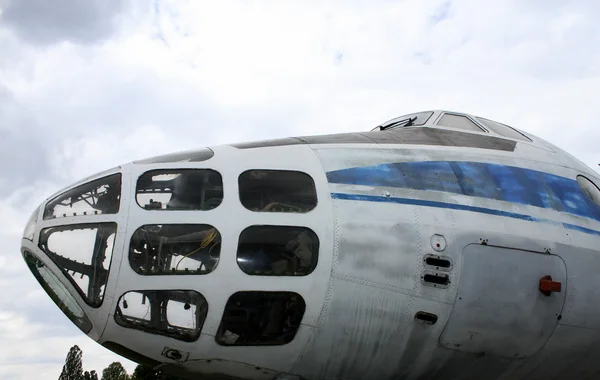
(29, 230)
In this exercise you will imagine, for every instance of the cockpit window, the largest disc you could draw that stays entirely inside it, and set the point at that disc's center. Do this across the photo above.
(589, 189)
(83, 252)
(178, 314)
(418, 118)
(278, 251)
(189, 156)
(163, 249)
(261, 318)
(503, 129)
(458, 122)
(101, 196)
(180, 189)
(277, 191)
(58, 293)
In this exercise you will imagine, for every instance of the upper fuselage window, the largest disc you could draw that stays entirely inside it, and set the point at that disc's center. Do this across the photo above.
(277, 191)
(589, 189)
(503, 129)
(410, 120)
(57, 292)
(175, 249)
(83, 252)
(178, 314)
(261, 318)
(278, 250)
(180, 189)
(101, 196)
(458, 122)
(189, 156)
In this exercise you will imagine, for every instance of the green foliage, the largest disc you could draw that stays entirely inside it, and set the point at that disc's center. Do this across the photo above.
(73, 368)
(115, 371)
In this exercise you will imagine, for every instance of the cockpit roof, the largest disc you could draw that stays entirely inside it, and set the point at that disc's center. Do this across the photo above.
(454, 120)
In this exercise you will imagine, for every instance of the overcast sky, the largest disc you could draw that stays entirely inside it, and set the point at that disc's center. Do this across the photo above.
(87, 85)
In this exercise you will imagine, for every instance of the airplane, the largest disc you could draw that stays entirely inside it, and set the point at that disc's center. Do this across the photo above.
(438, 245)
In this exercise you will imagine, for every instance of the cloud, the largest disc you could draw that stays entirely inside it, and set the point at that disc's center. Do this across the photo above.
(87, 87)
(44, 22)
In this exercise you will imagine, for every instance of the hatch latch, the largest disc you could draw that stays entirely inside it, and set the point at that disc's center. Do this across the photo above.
(547, 286)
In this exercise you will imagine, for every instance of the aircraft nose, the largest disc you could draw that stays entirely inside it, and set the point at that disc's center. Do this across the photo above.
(174, 258)
(68, 243)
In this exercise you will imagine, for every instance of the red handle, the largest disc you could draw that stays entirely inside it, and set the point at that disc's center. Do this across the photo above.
(547, 286)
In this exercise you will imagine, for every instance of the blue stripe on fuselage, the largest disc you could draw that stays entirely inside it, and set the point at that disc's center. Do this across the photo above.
(453, 206)
(483, 180)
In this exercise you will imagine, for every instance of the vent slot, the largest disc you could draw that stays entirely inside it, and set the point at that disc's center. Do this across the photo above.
(426, 318)
(438, 262)
(441, 280)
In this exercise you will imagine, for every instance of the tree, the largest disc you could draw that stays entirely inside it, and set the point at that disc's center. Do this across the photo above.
(90, 375)
(73, 368)
(114, 371)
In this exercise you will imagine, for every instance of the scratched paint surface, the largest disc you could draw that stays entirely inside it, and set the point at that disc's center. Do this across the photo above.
(484, 180)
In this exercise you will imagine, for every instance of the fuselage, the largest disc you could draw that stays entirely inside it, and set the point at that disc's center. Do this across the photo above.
(412, 252)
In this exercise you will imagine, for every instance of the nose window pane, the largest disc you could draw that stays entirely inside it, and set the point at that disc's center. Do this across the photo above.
(58, 293)
(261, 318)
(101, 196)
(278, 250)
(277, 191)
(179, 314)
(162, 249)
(83, 252)
(180, 189)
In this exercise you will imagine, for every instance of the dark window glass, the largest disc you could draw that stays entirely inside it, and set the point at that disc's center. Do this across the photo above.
(161, 249)
(458, 122)
(180, 189)
(178, 314)
(101, 196)
(412, 119)
(589, 189)
(188, 156)
(261, 318)
(503, 129)
(277, 191)
(83, 252)
(278, 251)
(58, 292)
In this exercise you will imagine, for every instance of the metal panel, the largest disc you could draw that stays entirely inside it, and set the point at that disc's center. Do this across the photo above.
(413, 136)
(370, 333)
(499, 309)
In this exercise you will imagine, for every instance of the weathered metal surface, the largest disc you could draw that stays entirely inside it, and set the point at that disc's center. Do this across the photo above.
(499, 309)
(409, 136)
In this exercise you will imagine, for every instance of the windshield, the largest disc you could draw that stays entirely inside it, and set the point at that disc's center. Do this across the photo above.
(57, 291)
(503, 129)
(418, 118)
